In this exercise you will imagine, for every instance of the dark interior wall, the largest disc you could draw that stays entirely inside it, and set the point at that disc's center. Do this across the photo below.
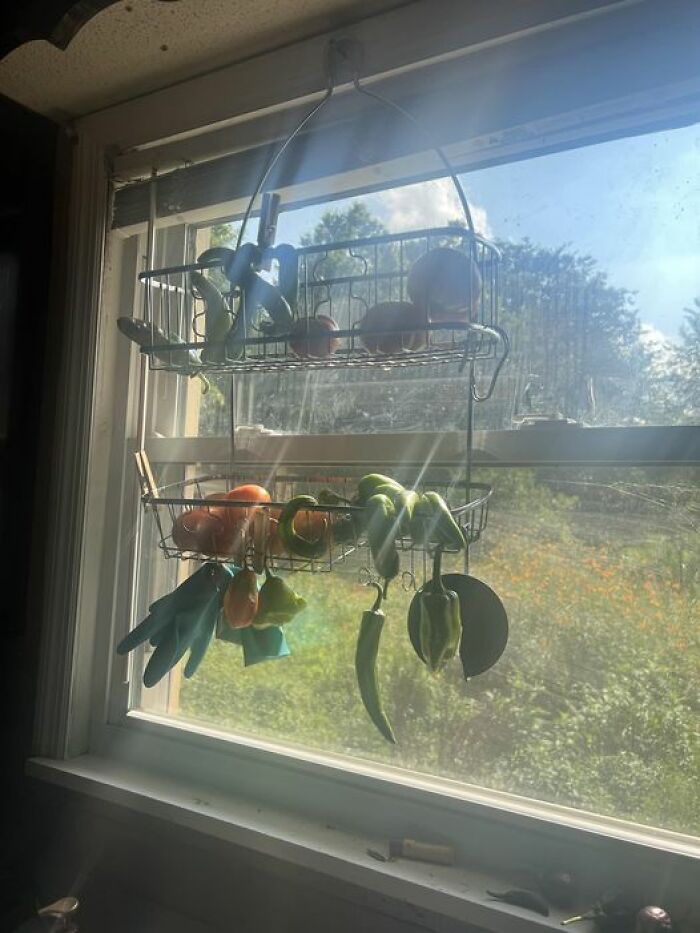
(130, 872)
(138, 874)
(27, 189)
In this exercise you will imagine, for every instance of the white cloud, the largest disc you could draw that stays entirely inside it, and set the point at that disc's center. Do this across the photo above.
(659, 344)
(426, 204)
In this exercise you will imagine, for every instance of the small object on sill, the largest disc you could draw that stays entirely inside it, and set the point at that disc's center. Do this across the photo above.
(653, 920)
(611, 914)
(422, 851)
(527, 899)
(544, 422)
(378, 856)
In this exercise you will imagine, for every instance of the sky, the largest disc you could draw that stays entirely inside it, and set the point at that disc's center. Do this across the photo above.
(633, 204)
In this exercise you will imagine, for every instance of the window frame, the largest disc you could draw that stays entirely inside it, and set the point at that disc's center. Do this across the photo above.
(82, 694)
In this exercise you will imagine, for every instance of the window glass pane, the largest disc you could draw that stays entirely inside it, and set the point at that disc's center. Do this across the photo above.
(600, 284)
(594, 703)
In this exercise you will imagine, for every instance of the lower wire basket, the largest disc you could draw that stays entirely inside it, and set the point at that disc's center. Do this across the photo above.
(196, 520)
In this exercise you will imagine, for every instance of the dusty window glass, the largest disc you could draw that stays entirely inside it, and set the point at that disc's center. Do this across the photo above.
(594, 703)
(600, 290)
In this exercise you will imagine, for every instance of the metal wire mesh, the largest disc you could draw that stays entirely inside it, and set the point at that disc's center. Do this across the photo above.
(342, 281)
(246, 533)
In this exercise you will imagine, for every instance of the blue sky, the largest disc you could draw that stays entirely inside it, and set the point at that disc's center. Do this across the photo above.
(633, 204)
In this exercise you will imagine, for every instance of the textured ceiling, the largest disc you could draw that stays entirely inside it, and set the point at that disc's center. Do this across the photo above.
(137, 46)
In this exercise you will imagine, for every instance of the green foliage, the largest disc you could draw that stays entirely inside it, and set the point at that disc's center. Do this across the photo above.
(350, 224)
(577, 350)
(687, 375)
(594, 704)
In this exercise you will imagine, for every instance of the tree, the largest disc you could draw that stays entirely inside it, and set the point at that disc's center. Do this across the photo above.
(351, 224)
(577, 347)
(687, 365)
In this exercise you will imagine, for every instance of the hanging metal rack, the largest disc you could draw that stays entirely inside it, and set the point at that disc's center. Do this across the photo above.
(264, 278)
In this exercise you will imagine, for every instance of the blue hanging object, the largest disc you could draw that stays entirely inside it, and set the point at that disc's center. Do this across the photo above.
(266, 644)
(258, 645)
(180, 621)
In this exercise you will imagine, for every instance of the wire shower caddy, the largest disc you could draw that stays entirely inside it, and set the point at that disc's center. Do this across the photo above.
(342, 281)
(373, 271)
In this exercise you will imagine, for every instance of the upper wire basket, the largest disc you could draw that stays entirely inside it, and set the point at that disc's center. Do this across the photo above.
(414, 298)
(195, 522)
(359, 303)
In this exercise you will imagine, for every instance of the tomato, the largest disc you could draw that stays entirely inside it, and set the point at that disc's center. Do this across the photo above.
(312, 337)
(445, 283)
(238, 518)
(249, 493)
(403, 323)
(204, 531)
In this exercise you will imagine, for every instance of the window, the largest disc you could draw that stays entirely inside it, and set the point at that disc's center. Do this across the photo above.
(586, 733)
(593, 704)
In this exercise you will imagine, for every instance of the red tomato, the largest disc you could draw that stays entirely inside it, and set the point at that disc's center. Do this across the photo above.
(382, 330)
(203, 531)
(446, 283)
(313, 337)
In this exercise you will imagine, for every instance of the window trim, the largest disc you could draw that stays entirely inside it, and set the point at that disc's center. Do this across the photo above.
(84, 549)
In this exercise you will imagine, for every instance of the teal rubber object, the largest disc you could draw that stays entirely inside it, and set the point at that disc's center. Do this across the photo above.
(267, 644)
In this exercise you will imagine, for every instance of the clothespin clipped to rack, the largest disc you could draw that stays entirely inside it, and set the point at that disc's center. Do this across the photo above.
(267, 225)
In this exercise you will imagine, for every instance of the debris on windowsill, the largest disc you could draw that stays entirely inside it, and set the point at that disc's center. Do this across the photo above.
(421, 851)
(527, 899)
(378, 856)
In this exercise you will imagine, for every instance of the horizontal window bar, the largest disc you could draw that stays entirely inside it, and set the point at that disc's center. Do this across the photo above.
(536, 446)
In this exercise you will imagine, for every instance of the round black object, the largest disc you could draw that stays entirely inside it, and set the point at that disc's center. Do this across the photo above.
(484, 623)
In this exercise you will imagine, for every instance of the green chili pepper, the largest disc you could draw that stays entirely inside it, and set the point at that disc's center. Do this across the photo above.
(381, 533)
(432, 521)
(404, 503)
(366, 666)
(277, 603)
(440, 623)
(370, 483)
(218, 320)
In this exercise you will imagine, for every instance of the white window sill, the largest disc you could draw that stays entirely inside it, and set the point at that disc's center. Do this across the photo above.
(454, 891)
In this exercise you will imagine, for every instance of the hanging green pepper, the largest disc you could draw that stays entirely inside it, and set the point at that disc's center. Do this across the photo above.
(381, 533)
(432, 521)
(440, 622)
(218, 320)
(277, 603)
(366, 665)
(404, 503)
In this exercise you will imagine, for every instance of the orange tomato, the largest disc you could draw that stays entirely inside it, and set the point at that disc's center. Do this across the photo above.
(238, 518)
(249, 493)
